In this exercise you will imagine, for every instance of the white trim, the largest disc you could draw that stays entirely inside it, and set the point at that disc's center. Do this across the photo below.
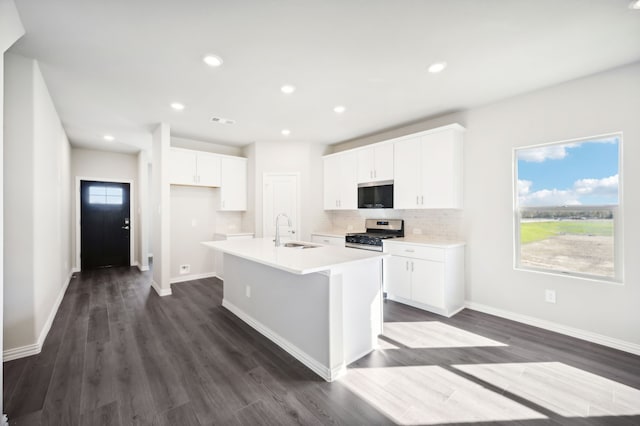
(142, 268)
(600, 339)
(192, 277)
(322, 371)
(161, 292)
(36, 348)
(132, 220)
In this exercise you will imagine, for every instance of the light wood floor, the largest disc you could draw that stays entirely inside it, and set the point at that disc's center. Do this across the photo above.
(117, 354)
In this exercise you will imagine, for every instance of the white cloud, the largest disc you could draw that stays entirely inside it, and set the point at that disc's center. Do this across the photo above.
(543, 153)
(566, 197)
(523, 187)
(604, 186)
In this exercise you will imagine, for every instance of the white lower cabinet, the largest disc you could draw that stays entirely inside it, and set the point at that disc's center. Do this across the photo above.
(331, 241)
(429, 277)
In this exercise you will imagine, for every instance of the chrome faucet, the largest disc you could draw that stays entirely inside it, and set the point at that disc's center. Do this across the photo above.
(277, 240)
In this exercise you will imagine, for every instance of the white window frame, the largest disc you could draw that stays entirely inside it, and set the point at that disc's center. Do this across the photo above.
(618, 222)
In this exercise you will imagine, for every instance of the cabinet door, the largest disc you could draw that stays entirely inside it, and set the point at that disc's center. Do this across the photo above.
(383, 162)
(427, 282)
(397, 276)
(366, 164)
(331, 182)
(407, 186)
(347, 185)
(182, 167)
(233, 183)
(208, 169)
(442, 170)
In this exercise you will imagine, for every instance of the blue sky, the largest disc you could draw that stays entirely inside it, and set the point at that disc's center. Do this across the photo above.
(583, 173)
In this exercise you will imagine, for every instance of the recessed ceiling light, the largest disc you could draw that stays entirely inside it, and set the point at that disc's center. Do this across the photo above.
(437, 67)
(177, 106)
(108, 138)
(288, 89)
(286, 132)
(212, 60)
(635, 5)
(339, 109)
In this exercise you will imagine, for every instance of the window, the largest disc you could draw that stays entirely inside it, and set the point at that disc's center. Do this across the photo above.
(567, 207)
(105, 195)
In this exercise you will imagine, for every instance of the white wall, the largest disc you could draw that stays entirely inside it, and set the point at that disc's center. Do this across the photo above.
(193, 220)
(103, 165)
(36, 212)
(142, 212)
(160, 210)
(206, 146)
(10, 30)
(282, 157)
(598, 104)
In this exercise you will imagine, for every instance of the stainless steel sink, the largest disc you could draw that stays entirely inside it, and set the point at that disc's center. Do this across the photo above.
(299, 245)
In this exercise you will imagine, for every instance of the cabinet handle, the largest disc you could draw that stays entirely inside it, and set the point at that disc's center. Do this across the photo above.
(407, 265)
(326, 241)
(411, 266)
(422, 199)
(417, 200)
(409, 250)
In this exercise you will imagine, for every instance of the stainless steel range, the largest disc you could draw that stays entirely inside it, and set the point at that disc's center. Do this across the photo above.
(377, 230)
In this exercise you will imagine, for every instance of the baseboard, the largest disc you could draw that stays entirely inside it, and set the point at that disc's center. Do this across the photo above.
(558, 328)
(36, 348)
(142, 268)
(192, 277)
(161, 292)
(322, 371)
(74, 270)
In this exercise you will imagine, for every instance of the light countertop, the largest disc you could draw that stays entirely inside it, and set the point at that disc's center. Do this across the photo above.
(233, 234)
(296, 261)
(423, 240)
(338, 233)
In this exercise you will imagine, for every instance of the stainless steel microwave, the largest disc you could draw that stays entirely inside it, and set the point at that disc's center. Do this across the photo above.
(375, 195)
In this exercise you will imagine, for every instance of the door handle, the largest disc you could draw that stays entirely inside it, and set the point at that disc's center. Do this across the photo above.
(125, 227)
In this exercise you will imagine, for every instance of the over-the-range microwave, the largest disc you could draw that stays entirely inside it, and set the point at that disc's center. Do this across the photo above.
(375, 195)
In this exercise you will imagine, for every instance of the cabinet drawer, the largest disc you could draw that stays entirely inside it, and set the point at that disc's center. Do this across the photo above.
(322, 239)
(417, 252)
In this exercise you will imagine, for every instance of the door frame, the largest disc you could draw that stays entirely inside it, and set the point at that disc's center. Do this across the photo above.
(132, 221)
(298, 197)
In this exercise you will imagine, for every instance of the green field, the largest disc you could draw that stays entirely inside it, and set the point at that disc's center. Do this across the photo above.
(536, 231)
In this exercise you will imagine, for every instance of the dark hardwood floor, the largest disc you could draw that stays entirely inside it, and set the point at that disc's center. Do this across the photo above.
(118, 354)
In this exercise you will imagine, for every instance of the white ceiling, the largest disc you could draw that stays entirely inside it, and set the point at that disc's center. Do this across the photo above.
(115, 66)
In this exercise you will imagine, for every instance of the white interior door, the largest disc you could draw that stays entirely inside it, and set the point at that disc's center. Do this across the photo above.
(280, 194)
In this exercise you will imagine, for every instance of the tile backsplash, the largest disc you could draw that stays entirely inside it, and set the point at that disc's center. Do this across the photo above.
(436, 224)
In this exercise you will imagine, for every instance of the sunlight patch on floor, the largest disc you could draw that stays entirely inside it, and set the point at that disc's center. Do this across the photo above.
(431, 395)
(563, 389)
(434, 334)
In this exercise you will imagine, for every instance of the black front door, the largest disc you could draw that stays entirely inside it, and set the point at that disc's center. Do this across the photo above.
(105, 224)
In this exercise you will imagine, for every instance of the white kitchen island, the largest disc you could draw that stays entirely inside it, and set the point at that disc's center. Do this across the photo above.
(323, 305)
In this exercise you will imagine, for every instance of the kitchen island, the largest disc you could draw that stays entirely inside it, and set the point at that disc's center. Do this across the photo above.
(321, 304)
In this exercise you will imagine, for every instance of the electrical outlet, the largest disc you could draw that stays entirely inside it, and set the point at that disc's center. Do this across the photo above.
(417, 231)
(247, 291)
(185, 269)
(550, 296)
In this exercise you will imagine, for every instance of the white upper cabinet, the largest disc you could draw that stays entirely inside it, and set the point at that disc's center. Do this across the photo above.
(340, 185)
(233, 191)
(375, 163)
(428, 170)
(208, 168)
(182, 167)
(194, 168)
